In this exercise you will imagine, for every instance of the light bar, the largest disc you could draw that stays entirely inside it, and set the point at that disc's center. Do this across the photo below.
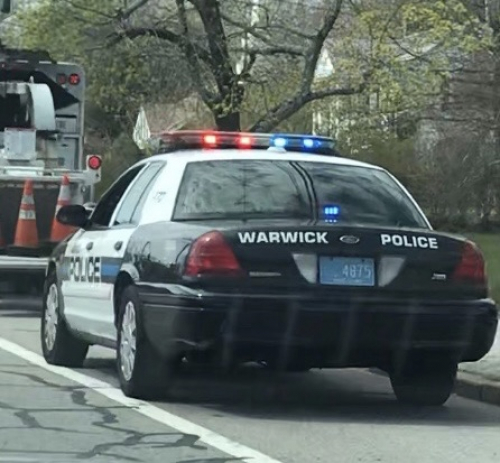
(197, 139)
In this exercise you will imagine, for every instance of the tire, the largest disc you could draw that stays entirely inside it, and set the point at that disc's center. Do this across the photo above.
(427, 382)
(59, 345)
(146, 375)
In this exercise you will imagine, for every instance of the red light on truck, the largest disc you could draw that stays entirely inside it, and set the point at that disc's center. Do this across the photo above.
(94, 162)
(61, 79)
(74, 79)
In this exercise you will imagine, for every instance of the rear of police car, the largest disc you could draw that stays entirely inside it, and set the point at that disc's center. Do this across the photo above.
(304, 259)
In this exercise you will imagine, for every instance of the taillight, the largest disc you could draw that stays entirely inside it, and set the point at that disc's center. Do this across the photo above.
(211, 255)
(471, 267)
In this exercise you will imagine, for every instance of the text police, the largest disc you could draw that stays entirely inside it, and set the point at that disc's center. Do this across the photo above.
(85, 269)
(404, 241)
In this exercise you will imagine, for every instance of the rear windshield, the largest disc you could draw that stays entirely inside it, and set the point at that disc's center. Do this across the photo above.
(253, 189)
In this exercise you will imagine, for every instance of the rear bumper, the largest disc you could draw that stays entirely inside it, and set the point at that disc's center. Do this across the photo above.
(331, 333)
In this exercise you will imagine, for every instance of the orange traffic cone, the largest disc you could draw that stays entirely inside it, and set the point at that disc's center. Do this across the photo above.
(26, 232)
(60, 231)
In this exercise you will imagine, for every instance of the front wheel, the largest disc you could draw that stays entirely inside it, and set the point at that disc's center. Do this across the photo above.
(59, 345)
(142, 372)
(427, 382)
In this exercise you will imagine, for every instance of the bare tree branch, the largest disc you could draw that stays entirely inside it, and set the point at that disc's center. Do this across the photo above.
(125, 13)
(163, 34)
(270, 51)
(217, 43)
(289, 107)
(191, 52)
(314, 52)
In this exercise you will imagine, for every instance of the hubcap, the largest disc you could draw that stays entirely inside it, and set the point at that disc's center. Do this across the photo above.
(51, 303)
(128, 340)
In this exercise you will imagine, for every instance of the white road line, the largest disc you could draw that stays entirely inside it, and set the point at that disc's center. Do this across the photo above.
(229, 447)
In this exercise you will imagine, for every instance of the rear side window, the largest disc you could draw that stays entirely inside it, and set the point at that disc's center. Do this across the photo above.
(138, 191)
(226, 189)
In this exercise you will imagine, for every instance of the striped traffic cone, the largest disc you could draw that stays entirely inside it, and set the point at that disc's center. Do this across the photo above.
(26, 232)
(60, 231)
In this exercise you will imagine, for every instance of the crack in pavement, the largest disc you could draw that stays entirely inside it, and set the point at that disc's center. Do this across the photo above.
(107, 420)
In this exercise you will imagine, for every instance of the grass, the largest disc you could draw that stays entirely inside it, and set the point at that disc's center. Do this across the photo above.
(490, 245)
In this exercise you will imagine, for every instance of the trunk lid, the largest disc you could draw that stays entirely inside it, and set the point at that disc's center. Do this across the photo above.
(353, 260)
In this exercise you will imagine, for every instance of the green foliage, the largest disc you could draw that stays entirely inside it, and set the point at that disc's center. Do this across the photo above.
(122, 154)
(262, 96)
(407, 50)
(385, 150)
(120, 76)
(402, 50)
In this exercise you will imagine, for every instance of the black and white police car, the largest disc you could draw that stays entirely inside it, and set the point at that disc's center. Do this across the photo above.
(237, 247)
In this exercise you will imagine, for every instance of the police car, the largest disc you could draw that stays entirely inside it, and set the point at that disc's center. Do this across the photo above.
(231, 247)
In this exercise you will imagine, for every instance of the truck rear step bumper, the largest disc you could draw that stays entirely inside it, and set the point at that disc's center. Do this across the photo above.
(23, 263)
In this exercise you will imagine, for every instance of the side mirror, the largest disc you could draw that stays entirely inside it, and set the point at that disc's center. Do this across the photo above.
(74, 215)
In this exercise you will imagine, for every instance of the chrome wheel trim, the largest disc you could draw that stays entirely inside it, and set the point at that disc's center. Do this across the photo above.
(51, 321)
(128, 341)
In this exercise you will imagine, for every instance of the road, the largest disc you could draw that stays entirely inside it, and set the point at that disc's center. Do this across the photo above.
(52, 414)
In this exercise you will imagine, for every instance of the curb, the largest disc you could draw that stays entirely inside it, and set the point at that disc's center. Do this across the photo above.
(477, 388)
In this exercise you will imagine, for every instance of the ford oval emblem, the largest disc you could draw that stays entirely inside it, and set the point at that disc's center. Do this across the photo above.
(349, 239)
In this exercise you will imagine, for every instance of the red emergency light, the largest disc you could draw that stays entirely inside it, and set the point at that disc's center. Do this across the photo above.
(210, 140)
(213, 141)
(72, 79)
(94, 162)
(61, 79)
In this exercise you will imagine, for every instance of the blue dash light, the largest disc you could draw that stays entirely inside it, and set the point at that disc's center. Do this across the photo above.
(331, 213)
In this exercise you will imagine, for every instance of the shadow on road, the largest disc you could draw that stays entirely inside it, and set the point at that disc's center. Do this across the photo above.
(350, 396)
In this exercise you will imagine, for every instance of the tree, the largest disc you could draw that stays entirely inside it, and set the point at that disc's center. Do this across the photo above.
(224, 47)
(119, 78)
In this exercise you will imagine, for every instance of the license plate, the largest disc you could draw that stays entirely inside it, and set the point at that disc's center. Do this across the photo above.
(347, 271)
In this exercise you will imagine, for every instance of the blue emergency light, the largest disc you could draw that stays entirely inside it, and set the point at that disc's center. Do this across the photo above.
(197, 139)
(331, 213)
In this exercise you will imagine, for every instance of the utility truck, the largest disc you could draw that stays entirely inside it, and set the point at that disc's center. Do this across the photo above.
(41, 140)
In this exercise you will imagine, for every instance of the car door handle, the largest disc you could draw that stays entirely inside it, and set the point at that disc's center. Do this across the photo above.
(118, 245)
(89, 246)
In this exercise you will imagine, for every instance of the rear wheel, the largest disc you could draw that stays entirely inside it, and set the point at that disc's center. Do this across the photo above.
(425, 382)
(142, 371)
(59, 345)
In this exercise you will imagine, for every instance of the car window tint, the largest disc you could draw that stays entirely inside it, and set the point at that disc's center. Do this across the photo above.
(109, 201)
(289, 189)
(135, 193)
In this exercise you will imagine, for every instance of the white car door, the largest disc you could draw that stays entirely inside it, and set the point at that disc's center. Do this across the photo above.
(82, 284)
(109, 248)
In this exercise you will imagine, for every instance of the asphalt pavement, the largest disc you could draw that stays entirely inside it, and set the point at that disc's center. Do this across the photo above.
(343, 416)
